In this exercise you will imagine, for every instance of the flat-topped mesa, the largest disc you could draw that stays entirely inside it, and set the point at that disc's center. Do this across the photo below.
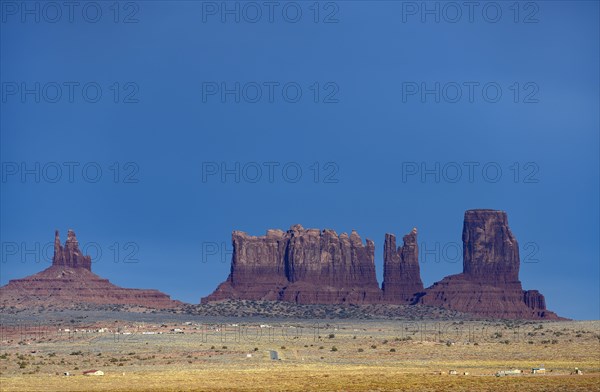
(70, 255)
(302, 266)
(401, 272)
(489, 285)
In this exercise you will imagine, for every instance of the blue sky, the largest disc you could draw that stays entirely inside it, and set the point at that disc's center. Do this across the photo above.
(158, 146)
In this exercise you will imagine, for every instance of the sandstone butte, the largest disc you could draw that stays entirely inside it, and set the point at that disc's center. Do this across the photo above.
(70, 280)
(311, 266)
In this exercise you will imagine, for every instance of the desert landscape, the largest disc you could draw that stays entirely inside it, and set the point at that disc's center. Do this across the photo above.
(67, 329)
(299, 196)
(145, 350)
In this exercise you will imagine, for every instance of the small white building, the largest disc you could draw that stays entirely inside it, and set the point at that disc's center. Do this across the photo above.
(513, 372)
(93, 373)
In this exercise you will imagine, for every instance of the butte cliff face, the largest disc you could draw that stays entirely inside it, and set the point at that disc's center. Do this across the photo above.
(303, 266)
(70, 281)
(489, 285)
(311, 266)
(401, 272)
(490, 250)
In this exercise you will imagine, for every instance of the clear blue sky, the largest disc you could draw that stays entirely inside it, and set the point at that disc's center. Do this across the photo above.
(376, 132)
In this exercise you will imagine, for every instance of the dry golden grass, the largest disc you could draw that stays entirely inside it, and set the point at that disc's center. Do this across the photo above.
(369, 356)
(300, 378)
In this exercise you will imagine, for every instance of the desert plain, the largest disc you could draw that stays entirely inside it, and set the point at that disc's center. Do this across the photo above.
(182, 351)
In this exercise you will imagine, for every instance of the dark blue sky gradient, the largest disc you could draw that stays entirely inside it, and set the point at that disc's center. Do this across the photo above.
(370, 135)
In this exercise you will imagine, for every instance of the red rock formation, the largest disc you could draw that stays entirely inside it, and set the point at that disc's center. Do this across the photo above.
(490, 251)
(489, 285)
(257, 268)
(536, 301)
(323, 267)
(310, 266)
(70, 255)
(70, 281)
(303, 266)
(401, 272)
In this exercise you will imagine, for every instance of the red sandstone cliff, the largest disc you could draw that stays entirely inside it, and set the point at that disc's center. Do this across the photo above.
(312, 266)
(301, 265)
(401, 272)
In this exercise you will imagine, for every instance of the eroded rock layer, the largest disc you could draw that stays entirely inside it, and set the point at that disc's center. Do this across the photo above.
(70, 281)
(310, 266)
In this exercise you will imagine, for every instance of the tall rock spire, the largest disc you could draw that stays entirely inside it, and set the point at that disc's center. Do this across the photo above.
(489, 284)
(490, 250)
(69, 281)
(69, 255)
(401, 271)
(58, 250)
